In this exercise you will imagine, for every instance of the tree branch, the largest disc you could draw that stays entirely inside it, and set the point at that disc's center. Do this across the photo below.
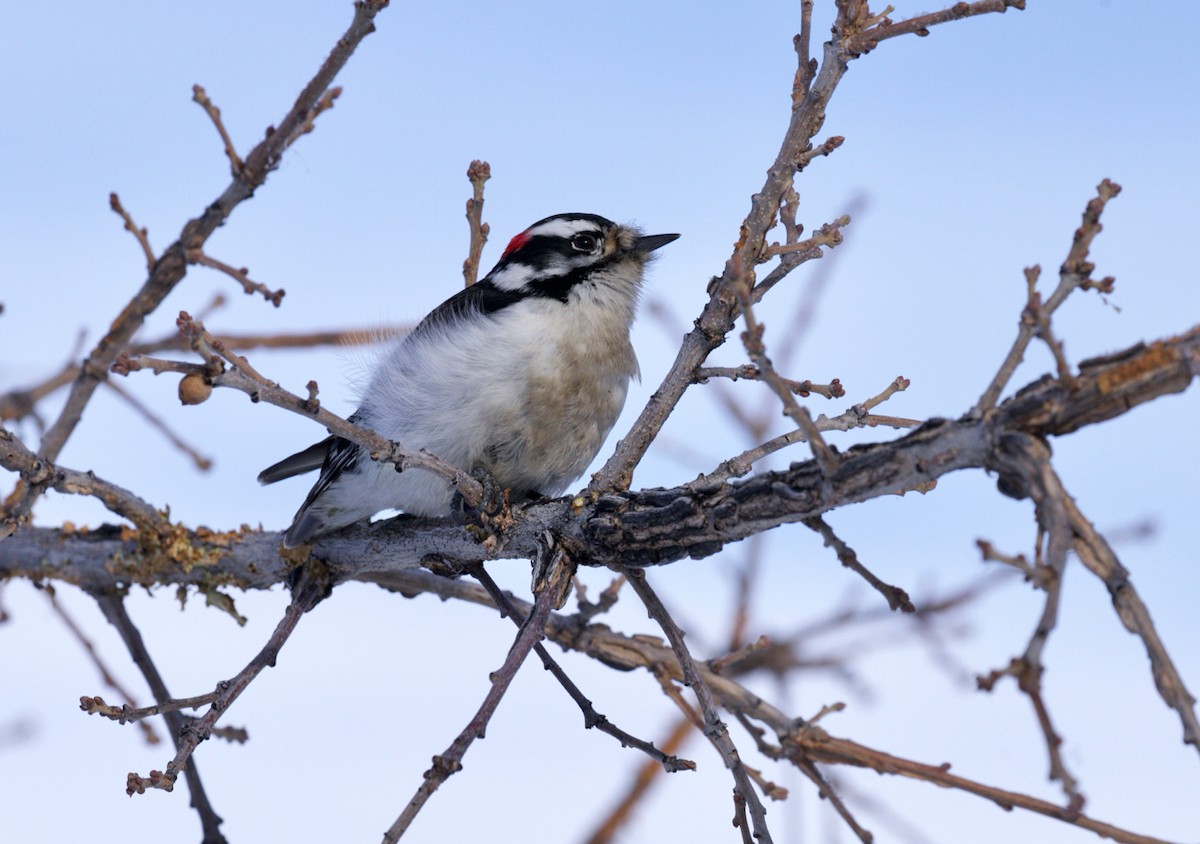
(170, 268)
(651, 526)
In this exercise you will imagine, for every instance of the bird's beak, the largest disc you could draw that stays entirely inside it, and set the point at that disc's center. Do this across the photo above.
(650, 242)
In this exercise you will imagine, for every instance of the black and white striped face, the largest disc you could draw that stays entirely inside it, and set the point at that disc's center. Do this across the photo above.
(583, 255)
(555, 254)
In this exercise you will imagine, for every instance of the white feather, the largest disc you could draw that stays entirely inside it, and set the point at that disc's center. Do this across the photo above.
(529, 391)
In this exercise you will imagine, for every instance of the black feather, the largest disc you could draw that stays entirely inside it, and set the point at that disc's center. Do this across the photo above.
(342, 456)
(311, 458)
(482, 297)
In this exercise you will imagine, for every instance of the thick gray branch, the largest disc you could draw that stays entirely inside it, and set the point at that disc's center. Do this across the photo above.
(646, 527)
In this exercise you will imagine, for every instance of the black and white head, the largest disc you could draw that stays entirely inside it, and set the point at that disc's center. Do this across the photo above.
(575, 259)
(580, 254)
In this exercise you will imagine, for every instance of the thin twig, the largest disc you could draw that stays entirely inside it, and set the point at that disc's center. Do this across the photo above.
(19, 403)
(1075, 274)
(1038, 573)
(822, 150)
(752, 338)
(309, 590)
(806, 65)
(713, 727)
(750, 372)
(142, 235)
(241, 276)
(170, 269)
(106, 676)
(792, 255)
(607, 600)
(1098, 557)
(158, 423)
(113, 607)
(449, 763)
(223, 368)
(478, 173)
(591, 718)
(127, 714)
(323, 104)
(896, 597)
(647, 774)
(200, 96)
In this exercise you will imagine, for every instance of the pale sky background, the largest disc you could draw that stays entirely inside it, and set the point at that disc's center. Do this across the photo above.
(973, 152)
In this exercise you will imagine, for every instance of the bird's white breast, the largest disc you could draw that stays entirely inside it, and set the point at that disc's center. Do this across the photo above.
(530, 392)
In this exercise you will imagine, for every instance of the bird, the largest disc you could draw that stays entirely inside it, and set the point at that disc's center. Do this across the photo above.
(523, 374)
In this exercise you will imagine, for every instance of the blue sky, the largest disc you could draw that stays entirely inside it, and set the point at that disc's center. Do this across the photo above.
(971, 154)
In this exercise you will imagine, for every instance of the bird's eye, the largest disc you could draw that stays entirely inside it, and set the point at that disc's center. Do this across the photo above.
(583, 242)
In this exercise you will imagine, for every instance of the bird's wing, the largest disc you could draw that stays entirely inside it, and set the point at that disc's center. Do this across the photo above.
(342, 456)
(483, 296)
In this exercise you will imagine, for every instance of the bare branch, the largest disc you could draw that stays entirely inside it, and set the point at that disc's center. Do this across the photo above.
(713, 727)
(113, 607)
(802, 742)
(450, 762)
(868, 31)
(169, 270)
(821, 150)
(310, 588)
(199, 95)
(241, 276)
(716, 320)
(1096, 554)
(128, 714)
(40, 474)
(591, 718)
(750, 372)
(478, 173)
(143, 237)
(896, 597)
(661, 526)
(752, 338)
(806, 64)
(647, 773)
(1035, 319)
(324, 103)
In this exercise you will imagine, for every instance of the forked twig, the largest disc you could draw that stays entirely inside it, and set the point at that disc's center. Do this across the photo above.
(591, 718)
(713, 727)
(310, 588)
(241, 276)
(1075, 274)
(113, 607)
(449, 763)
(170, 269)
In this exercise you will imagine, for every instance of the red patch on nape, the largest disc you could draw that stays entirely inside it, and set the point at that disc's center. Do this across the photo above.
(515, 244)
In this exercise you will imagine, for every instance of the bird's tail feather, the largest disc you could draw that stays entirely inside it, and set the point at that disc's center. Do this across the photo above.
(302, 461)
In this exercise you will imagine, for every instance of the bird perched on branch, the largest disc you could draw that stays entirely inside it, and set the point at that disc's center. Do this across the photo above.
(522, 374)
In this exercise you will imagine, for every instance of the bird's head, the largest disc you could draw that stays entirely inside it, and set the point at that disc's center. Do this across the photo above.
(573, 254)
